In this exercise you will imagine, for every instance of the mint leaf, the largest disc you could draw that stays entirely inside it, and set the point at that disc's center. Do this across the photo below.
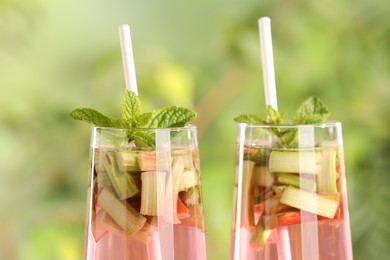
(143, 119)
(131, 107)
(143, 139)
(91, 116)
(132, 117)
(288, 137)
(121, 123)
(312, 111)
(249, 119)
(274, 117)
(172, 116)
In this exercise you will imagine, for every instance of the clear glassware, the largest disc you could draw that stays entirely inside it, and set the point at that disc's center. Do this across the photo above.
(290, 201)
(144, 197)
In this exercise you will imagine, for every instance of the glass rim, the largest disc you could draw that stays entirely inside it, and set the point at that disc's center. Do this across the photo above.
(327, 124)
(105, 128)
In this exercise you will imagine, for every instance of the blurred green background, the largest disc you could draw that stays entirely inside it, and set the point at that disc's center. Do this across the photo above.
(59, 55)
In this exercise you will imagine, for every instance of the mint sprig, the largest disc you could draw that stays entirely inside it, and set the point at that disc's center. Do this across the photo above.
(133, 117)
(249, 119)
(311, 111)
(171, 116)
(131, 108)
(93, 117)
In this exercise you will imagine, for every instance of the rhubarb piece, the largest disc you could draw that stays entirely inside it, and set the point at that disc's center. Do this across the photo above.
(189, 179)
(247, 214)
(182, 210)
(128, 161)
(172, 191)
(187, 156)
(152, 193)
(190, 197)
(327, 177)
(271, 204)
(262, 176)
(103, 181)
(289, 218)
(147, 161)
(196, 217)
(98, 160)
(308, 162)
(261, 233)
(296, 181)
(310, 202)
(153, 161)
(98, 228)
(141, 235)
(127, 218)
(122, 182)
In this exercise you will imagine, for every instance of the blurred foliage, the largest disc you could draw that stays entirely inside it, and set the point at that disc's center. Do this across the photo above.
(58, 55)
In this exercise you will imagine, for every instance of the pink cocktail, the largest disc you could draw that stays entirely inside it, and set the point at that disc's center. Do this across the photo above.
(290, 202)
(144, 202)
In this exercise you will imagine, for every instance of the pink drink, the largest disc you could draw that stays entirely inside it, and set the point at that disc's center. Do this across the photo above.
(291, 203)
(145, 204)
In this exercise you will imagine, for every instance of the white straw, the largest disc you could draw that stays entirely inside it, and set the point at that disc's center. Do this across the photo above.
(267, 60)
(127, 58)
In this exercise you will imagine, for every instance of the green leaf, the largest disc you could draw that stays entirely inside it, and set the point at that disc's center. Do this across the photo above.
(131, 107)
(142, 119)
(116, 138)
(172, 116)
(274, 117)
(121, 123)
(249, 119)
(91, 116)
(143, 139)
(132, 117)
(288, 138)
(312, 111)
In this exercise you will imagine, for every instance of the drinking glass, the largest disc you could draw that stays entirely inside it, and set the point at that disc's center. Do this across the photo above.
(290, 196)
(144, 196)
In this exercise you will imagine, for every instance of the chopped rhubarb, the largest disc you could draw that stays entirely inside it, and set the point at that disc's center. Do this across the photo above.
(191, 196)
(152, 193)
(122, 182)
(289, 218)
(127, 218)
(172, 190)
(196, 217)
(260, 235)
(262, 176)
(190, 179)
(182, 210)
(308, 162)
(98, 229)
(141, 235)
(128, 161)
(310, 202)
(296, 181)
(153, 161)
(247, 214)
(103, 181)
(327, 177)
